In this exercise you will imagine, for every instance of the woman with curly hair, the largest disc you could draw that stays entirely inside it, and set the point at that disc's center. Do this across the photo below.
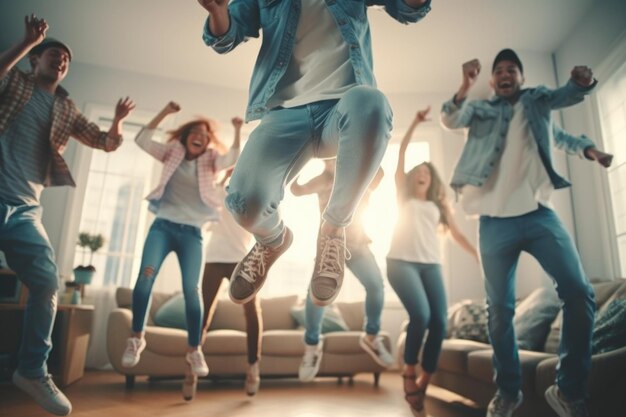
(414, 266)
(185, 199)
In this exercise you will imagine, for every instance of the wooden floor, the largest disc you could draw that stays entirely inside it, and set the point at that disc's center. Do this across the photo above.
(102, 394)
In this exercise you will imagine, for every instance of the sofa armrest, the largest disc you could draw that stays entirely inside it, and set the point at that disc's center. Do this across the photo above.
(118, 330)
(606, 369)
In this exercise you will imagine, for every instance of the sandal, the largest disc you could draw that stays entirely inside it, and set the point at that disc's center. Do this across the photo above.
(417, 397)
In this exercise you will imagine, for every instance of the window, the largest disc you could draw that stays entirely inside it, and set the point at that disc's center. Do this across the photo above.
(292, 272)
(114, 205)
(612, 109)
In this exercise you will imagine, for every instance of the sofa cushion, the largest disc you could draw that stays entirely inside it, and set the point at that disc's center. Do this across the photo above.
(453, 357)
(332, 321)
(468, 320)
(533, 317)
(283, 343)
(609, 332)
(225, 342)
(276, 312)
(353, 314)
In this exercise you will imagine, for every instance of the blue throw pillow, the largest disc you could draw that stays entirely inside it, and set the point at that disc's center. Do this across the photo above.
(172, 313)
(332, 322)
(609, 332)
(533, 317)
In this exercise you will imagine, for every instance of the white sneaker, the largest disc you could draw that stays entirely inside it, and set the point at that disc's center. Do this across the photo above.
(377, 350)
(45, 393)
(310, 365)
(563, 407)
(253, 380)
(132, 354)
(190, 385)
(501, 406)
(198, 365)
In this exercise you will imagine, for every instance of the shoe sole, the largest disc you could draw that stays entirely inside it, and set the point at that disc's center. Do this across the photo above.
(554, 403)
(324, 302)
(286, 244)
(368, 349)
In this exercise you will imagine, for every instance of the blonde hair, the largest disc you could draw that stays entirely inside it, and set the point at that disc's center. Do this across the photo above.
(182, 132)
(436, 190)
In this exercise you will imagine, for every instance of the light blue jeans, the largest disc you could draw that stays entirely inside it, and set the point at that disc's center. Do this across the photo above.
(354, 128)
(29, 253)
(420, 289)
(186, 242)
(541, 234)
(363, 265)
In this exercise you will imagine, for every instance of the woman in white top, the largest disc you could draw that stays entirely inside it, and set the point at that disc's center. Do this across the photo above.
(414, 266)
(184, 200)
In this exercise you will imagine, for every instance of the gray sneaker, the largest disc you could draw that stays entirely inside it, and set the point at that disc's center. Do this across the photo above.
(45, 393)
(250, 274)
(563, 407)
(330, 263)
(501, 406)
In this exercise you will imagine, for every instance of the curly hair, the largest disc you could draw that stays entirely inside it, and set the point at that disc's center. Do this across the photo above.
(182, 132)
(436, 191)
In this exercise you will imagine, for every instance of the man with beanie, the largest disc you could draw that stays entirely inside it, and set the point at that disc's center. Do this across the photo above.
(36, 120)
(506, 175)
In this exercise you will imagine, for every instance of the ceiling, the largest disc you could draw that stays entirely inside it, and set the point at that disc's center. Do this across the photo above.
(163, 37)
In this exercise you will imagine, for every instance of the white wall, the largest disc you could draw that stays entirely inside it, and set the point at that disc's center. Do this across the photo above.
(598, 36)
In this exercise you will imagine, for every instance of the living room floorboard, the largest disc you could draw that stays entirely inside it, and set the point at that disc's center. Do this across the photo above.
(102, 394)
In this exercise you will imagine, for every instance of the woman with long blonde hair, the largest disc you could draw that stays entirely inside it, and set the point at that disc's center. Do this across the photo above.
(414, 266)
(183, 202)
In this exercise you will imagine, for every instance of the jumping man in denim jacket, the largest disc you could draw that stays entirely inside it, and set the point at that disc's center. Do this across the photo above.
(313, 88)
(506, 175)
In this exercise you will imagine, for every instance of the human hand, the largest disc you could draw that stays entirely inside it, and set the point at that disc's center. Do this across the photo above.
(123, 108)
(212, 5)
(421, 115)
(582, 75)
(34, 30)
(237, 122)
(603, 158)
(171, 107)
(471, 69)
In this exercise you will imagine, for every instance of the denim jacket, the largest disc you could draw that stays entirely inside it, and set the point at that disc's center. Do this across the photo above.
(488, 123)
(278, 19)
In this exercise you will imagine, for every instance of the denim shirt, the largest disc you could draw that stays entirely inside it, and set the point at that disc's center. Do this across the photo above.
(488, 123)
(279, 20)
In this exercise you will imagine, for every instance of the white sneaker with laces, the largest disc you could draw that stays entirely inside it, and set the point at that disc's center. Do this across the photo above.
(198, 365)
(501, 406)
(563, 407)
(311, 360)
(132, 354)
(45, 393)
(253, 380)
(377, 350)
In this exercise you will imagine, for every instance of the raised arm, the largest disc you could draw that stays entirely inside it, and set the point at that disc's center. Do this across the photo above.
(454, 113)
(34, 33)
(229, 159)
(457, 235)
(400, 176)
(144, 138)
(219, 21)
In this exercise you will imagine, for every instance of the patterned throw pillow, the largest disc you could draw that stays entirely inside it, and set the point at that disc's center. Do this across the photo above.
(468, 320)
(609, 332)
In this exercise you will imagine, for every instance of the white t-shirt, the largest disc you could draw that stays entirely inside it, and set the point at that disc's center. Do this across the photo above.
(228, 242)
(319, 68)
(416, 234)
(518, 183)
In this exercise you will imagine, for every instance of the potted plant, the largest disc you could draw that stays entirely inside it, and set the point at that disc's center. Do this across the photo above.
(83, 274)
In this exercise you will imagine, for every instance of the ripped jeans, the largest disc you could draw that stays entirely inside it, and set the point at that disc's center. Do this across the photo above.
(186, 241)
(354, 128)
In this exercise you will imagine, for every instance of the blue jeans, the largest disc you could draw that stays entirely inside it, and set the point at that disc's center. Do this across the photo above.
(28, 252)
(541, 234)
(420, 289)
(364, 267)
(354, 128)
(186, 241)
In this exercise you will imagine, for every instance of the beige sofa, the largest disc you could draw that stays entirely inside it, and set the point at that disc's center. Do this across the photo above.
(225, 344)
(465, 369)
